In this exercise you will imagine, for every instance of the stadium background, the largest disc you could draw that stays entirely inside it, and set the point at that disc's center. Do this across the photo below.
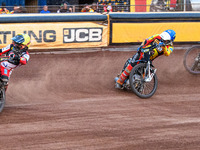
(67, 100)
(134, 5)
(82, 30)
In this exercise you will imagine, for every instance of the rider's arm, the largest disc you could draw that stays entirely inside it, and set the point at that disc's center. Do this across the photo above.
(151, 40)
(24, 59)
(5, 49)
(168, 49)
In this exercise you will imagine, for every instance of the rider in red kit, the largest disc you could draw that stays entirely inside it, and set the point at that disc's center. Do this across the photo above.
(17, 54)
(161, 45)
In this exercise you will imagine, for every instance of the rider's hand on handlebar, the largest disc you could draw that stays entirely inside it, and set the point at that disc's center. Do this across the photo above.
(16, 57)
(161, 44)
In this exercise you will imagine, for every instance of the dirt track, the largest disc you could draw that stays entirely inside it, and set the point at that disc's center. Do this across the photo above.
(69, 102)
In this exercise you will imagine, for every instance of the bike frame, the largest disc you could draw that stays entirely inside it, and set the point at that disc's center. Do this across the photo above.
(147, 72)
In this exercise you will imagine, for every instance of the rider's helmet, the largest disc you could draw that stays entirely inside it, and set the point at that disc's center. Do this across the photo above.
(168, 36)
(21, 42)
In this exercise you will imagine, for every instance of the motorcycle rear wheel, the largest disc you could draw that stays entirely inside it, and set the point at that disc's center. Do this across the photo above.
(2, 98)
(191, 60)
(141, 88)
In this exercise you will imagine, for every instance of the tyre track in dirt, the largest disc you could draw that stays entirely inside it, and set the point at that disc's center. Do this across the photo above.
(69, 102)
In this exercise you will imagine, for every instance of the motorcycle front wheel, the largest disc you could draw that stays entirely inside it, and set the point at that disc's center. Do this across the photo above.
(138, 84)
(191, 60)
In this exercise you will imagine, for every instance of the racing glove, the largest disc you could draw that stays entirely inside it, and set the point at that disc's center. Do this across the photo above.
(14, 59)
(160, 45)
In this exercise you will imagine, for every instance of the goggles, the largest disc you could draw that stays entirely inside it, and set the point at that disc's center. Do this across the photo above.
(18, 46)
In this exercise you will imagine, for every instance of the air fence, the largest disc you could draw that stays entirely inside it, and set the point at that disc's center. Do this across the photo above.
(83, 30)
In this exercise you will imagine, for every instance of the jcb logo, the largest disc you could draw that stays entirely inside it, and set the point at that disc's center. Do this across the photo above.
(77, 35)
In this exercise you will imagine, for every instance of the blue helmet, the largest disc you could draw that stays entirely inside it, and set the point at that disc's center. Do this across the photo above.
(168, 35)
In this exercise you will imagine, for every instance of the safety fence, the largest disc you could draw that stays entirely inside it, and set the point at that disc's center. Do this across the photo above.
(56, 30)
(136, 27)
(82, 30)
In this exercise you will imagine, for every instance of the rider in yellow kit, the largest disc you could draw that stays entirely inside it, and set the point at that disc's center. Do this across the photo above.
(161, 44)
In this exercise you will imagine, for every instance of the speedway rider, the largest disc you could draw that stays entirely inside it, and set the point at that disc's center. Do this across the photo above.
(17, 54)
(160, 43)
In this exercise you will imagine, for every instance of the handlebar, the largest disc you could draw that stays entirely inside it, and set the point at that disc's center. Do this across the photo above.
(16, 52)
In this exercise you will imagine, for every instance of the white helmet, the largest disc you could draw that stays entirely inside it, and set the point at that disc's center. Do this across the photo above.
(168, 36)
(165, 36)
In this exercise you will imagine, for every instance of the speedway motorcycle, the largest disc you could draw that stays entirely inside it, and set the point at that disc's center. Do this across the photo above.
(143, 79)
(191, 60)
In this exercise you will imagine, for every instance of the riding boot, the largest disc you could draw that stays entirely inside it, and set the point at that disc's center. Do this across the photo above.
(123, 76)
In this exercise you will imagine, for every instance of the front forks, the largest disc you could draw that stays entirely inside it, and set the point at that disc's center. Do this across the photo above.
(149, 73)
(196, 63)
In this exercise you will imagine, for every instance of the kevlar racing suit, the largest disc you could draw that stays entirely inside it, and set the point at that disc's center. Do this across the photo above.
(14, 61)
(156, 43)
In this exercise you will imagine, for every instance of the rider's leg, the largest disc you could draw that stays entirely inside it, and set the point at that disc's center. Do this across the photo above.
(124, 75)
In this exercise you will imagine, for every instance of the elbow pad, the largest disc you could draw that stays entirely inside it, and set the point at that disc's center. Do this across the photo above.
(23, 61)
